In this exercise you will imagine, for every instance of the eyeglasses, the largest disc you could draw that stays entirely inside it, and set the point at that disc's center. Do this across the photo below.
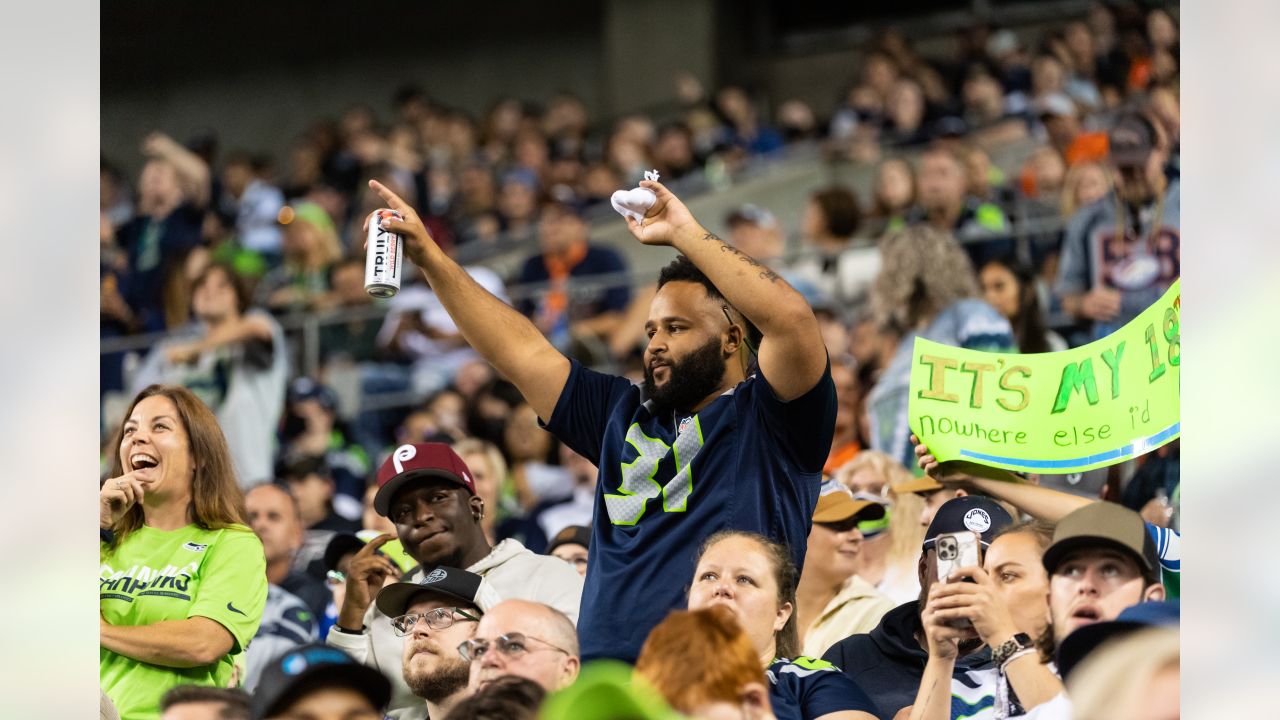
(437, 619)
(577, 561)
(511, 646)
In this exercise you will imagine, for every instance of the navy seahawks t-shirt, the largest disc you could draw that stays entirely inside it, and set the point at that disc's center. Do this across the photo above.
(747, 461)
(810, 688)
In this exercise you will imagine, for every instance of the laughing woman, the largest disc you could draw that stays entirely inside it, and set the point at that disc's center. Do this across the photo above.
(183, 580)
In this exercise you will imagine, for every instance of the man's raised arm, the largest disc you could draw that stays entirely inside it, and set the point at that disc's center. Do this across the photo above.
(792, 354)
(503, 336)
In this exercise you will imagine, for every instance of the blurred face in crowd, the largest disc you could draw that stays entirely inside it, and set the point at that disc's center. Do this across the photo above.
(934, 500)
(1046, 75)
(1139, 184)
(574, 554)
(1094, 584)
(1049, 171)
(1013, 562)
(313, 492)
(1161, 30)
(518, 201)
(433, 670)
(942, 181)
(370, 519)
(879, 72)
(906, 105)
(674, 149)
(738, 573)
(486, 480)
(560, 230)
(599, 181)
(685, 360)
(156, 449)
(275, 521)
(214, 298)
(865, 480)
(330, 703)
(541, 654)
(436, 521)
(983, 96)
(1091, 184)
(348, 284)
(524, 438)
(1000, 289)
(761, 243)
(834, 548)
(893, 185)
(236, 177)
(158, 188)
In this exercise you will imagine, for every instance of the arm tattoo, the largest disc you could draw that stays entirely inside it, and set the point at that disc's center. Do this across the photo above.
(765, 272)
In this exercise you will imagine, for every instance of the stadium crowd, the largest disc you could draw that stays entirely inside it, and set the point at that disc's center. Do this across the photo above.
(738, 508)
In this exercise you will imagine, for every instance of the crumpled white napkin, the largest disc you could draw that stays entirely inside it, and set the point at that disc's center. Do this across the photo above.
(637, 201)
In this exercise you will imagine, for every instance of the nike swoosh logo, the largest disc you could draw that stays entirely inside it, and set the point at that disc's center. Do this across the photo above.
(232, 609)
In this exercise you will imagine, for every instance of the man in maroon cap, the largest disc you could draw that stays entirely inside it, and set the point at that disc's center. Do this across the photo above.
(429, 494)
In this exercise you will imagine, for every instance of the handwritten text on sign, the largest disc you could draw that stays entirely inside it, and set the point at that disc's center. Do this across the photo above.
(1062, 412)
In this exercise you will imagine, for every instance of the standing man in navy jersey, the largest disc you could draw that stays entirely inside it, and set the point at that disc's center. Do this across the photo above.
(704, 445)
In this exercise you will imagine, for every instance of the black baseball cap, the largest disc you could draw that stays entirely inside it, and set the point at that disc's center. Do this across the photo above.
(394, 599)
(979, 514)
(571, 535)
(1084, 640)
(1103, 524)
(294, 674)
(1131, 140)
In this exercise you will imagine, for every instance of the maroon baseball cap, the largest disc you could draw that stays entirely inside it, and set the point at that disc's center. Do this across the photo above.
(417, 461)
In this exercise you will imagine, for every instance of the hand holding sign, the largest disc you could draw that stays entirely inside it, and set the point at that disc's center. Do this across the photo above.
(1071, 411)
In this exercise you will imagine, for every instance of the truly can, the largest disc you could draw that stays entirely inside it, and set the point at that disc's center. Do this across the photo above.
(383, 258)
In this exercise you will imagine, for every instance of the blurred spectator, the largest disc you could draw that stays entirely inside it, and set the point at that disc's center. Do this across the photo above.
(891, 660)
(887, 556)
(673, 154)
(533, 455)
(273, 515)
(518, 204)
(526, 639)
(489, 469)
(926, 287)
(946, 204)
(832, 602)
(1085, 184)
(312, 428)
(704, 664)
(905, 115)
(255, 204)
(742, 120)
(315, 681)
(172, 194)
(796, 121)
(287, 623)
(579, 507)
(754, 577)
(197, 702)
(893, 194)
(354, 339)
(1135, 676)
(1120, 255)
(564, 310)
(1064, 131)
(113, 199)
(310, 482)
(507, 698)
(235, 360)
(572, 545)
(310, 247)
(839, 269)
(1009, 286)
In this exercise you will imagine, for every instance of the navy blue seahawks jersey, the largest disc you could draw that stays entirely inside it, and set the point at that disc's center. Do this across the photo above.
(747, 461)
(807, 688)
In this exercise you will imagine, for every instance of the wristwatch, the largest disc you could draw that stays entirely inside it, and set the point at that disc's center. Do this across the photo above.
(1006, 649)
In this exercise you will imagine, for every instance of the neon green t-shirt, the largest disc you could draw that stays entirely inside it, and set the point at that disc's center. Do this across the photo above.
(157, 575)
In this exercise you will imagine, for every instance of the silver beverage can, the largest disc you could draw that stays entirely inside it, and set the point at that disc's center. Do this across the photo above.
(383, 258)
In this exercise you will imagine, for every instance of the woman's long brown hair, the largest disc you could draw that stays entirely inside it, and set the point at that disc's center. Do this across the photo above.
(216, 498)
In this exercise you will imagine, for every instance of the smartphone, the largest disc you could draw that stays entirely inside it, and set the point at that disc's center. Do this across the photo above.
(957, 550)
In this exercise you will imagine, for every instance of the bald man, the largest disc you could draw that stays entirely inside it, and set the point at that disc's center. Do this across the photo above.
(277, 521)
(525, 639)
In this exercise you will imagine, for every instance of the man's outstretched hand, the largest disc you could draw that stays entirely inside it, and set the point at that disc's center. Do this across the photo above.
(666, 220)
(418, 243)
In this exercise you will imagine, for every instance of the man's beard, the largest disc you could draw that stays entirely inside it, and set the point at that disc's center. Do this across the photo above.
(689, 380)
(448, 678)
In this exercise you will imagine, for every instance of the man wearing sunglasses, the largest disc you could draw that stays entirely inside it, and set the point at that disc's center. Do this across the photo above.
(434, 616)
(525, 639)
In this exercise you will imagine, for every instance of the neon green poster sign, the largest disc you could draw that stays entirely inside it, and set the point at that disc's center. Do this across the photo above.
(1062, 412)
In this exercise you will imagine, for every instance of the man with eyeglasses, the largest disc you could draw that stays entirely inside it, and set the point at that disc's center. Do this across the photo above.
(525, 639)
(434, 615)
